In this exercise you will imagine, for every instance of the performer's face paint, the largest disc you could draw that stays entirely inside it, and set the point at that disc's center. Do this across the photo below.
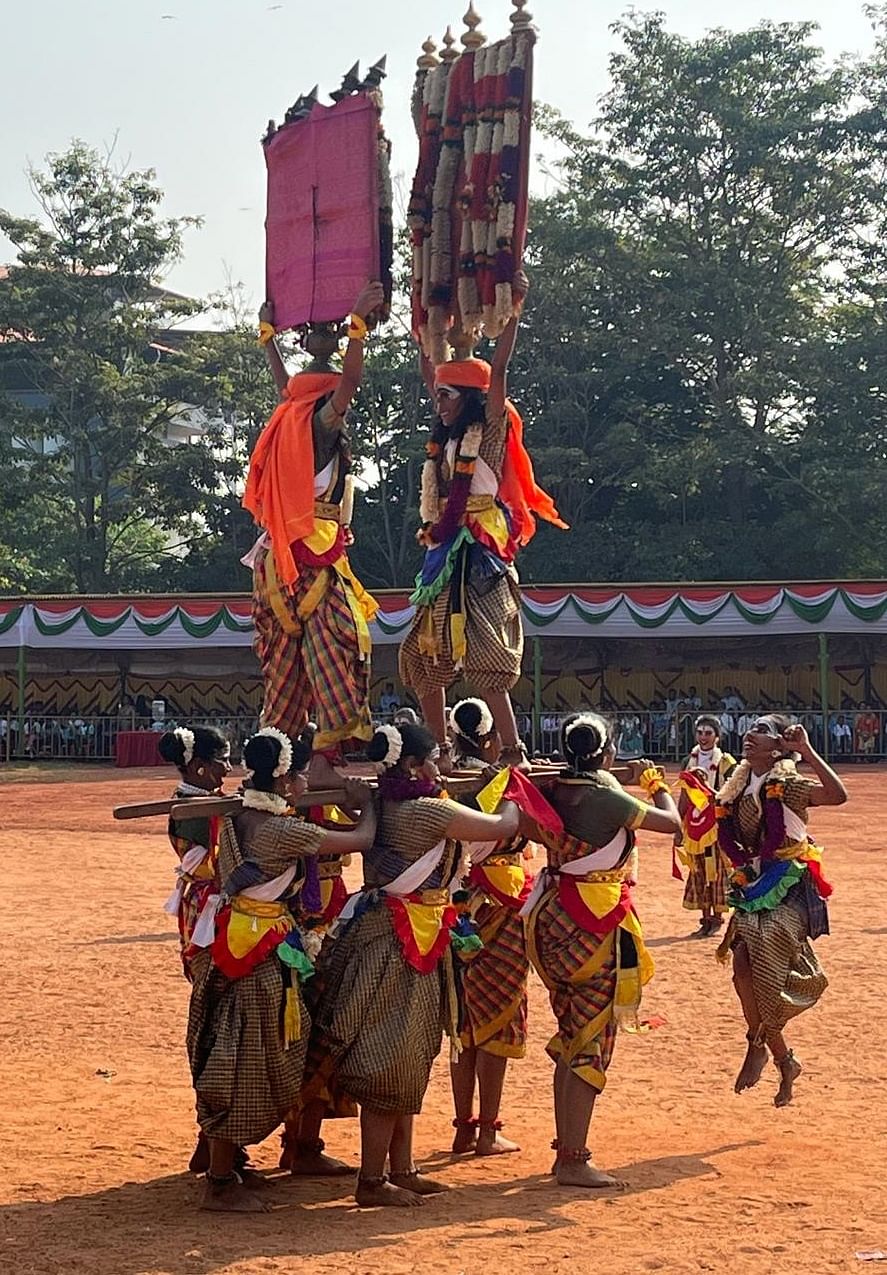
(706, 737)
(448, 401)
(759, 744)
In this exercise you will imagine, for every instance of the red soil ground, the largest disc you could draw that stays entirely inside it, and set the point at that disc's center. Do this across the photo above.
(98, 1115)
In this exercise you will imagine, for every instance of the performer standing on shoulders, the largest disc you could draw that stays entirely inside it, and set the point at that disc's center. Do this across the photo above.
(478, 502)
(705, 771)
(310, 612)
(584, 937)
(777, 889)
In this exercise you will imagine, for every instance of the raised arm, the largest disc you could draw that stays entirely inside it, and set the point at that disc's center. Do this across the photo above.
(371, 298)
(831, 790)
(272, 354)
(505, 344)
(662, 815)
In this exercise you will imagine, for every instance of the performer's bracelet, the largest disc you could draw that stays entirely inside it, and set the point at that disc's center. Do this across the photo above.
(266, 332)
(358, 329)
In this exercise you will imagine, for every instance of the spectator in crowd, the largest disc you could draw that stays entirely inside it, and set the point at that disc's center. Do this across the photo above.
(868, 731)
(630, 740)
(732, 701)
(659, 722)
(389, 701)
(841, 733)
(745, 723)
(693, 699)
(728, 729)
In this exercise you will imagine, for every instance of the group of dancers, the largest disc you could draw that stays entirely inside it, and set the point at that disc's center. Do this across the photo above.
(308, 1003)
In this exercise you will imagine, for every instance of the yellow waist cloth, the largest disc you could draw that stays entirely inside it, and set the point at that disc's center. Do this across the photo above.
(258, 907)
(505, 876)
(326, 509)
(251, 920)
(426, 920)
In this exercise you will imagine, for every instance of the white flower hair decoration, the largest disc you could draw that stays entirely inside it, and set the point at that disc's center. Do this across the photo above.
(186, 737)
(394, 749)
(590, 722)
(485, 723)
(285, 761)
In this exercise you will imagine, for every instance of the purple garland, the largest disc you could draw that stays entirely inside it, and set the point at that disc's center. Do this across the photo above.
(772, 840)
(397, 786)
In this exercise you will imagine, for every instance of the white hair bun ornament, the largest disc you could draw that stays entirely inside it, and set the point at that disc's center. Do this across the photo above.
(485, 722)
(186, 737)
(588, 722)
(395, 746)
(285, 760)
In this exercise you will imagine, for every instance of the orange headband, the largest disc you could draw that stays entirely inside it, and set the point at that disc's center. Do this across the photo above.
(464, 374)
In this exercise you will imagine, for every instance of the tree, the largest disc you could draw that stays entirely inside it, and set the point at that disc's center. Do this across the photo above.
(94, 379)
(692, 260)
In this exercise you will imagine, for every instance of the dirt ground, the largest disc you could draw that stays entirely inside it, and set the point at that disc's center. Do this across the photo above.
(98, 1116)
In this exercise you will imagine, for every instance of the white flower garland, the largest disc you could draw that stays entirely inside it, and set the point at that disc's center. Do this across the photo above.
(429, 496)
(285, 760)
(485, 724)
(270, 802)
(395, 746)
(186, 737)
(738, 781)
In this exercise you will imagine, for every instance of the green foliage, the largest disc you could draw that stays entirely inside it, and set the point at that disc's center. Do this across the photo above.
(701, 363)
(93, 386)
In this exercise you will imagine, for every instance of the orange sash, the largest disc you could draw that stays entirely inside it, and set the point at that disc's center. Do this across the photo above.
(280, 486)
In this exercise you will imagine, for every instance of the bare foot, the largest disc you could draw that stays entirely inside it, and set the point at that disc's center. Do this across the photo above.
(199, 1162)
(465, 1140)
(417, 1183)
(492, 1143)
(373, 1193)
(752, 1068)
(314, 1164)
(789, 1070)
(715, 923)
(231, 1197)
(575, 1173)
(701, 931)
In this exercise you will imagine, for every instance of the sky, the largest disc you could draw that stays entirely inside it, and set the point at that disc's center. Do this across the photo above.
(186, 87)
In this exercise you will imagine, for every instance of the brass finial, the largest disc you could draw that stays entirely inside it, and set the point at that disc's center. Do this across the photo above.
(472, 38)
(429, 56)
(520, 21)
(449, 54)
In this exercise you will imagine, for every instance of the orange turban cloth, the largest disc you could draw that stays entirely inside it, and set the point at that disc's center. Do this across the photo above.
(464, 374)
(518, 490)
(280, 486)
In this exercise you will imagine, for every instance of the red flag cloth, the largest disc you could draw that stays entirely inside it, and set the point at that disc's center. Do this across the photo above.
(280, 485)
(322, 222)
(524, 793)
